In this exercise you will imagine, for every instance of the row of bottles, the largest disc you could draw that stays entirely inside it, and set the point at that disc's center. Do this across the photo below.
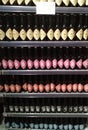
(36, 27)
(44, 84)
(58, 2)
(44, 58)
(47, 106)
(47, 123)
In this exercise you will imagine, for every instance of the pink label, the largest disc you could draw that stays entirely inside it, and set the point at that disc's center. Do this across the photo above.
(30, 64)
(79, 63)
(47, 87)
(35, 87)
(23, 64)
(10, 64)
(52, 86)
(42, 64)
(63, 87)
(4, 64)
(86, 87)
(36, 64)
(30, 87)
(54, 63)
(16, 64)
(85, 63)
(60, 63)
(48, 64)
(75, 87)
(80, 87)
(69, 87)
(72, 63)
(41, 88)
(58, 88)
(66, 63)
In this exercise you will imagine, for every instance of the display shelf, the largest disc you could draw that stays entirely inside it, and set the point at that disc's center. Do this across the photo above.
(32, 9)
(45, 95)
(43, 43)
(45, 115)
(45, 72)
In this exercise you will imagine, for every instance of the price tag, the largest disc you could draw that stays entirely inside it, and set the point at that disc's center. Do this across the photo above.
(46, 8)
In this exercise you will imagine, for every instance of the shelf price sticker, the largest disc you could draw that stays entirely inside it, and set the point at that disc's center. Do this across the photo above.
(46, 8)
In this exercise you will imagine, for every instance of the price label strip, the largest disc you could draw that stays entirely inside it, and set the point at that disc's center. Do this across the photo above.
(45, 8)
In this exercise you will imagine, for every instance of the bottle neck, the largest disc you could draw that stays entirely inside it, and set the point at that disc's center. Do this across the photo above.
(86, 21)
(65, 21)
(29, 18)
(22, 20)
(72, 21)
(80, 21)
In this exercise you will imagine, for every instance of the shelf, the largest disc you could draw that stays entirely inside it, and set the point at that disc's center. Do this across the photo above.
(45, 72)
(42, 43)
(45, 95)
(7, 8)
(45, 115)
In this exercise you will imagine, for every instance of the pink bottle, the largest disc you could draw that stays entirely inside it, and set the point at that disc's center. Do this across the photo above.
(4, 58)
(79, 58)
(85, 58)
(36, 59)
(63, 85)
(66, 59)
(36, 86)
(72, 58)
(17, 58)
(48, 59)
(52, 84)
(54, 59)
(23, 62)
(47, 85)
(24, 84)
(30, 86)
(42, 62)
(6, 84)
(10, 58)
(69, 85)
(29, 59)
(41, 84)
(18, 84)
(60, 58)
(75, 85)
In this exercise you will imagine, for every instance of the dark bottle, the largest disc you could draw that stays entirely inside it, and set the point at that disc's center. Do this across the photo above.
(10, 58)
(64, 106)
(60, 57)
(41, 84)
(13, 2)
(48, 106)
(54, 57)
(2, 29)
(5, 2)
(65, 124)
(58, 106)
(42, 58)
(32, 106)
(22, 27)
(36, 58)
(17, 58)
(23, 62)
(66, 2)
(57, 30)
(43, 29)
(75, 107)
(66, 58)
(21, 106)
(70, 107)
(4, 58)
(15, 27)
(17, 84)
(29, 27)
(85, 58)
(36, 28)
(64, 31)
(43, 107)
(80, 106)
(30, 58)
(27, 109)
(8, 28)
(73, 2)
(50, 31)
(48, 58)
(79, 30)
(85, 106)
(16, 106)
(20, 2)
(11, 106)
(37, 107)
(79, 57)
(71, 32)
(72, 58)
(85, 27)
(53, 106)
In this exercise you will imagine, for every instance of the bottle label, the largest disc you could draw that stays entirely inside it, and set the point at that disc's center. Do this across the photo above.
(71, 34)
(42, 34)
(74, 2)
(85, 34)
(35, 1)
(50, 34)
(57, 34)
(23, 34)
(27, 2)
(30, 34)
(36, 34)
(75, 108)
(27, 108)
(58, 2)
(43, 0)
(4, 1)
(79, 34)
(66, 2)
(81, 2)
(65, 109)
(19, 2)
(80, 108)
(86, 2)
(15, 34)
(59, 108)
(85, 109)
(12, 2)
(16, 108)
(50, 0)
(11, 108)
(64, 34)
(2, 34)
(9, 34)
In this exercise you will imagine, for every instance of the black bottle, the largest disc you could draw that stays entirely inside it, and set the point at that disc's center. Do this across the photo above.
(17, 58)
(32, 106)
(58, 106)
(71, 32)
(50, 31)
(26, 106)
(66, 58)
(80, 105)
(79, 57)
(15, 27)
(85, 58)
(23, 58)
(10, 58)
(79, 30)
(48, 106)
(57, 30)
(85, 27)
(43, 107)
(11, 106)
(29, 27)
(21, 106)
(43, 29)
(8, 28)
(85, 106)
(22, 27)
(64, 106)
(2, 29)
(16, 106)
(64, 31)
(36, 28)
(4, 58)
(37, 107)
(75, 107)
(53, 106)
(70, 107)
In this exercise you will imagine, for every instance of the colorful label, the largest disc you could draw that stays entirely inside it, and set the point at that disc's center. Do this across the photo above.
(19, 2)
(58, 2)
(85, 34)
(42, 34)
(36, 34)
(79, 34)
(50, 34)
(30, 34)
(27, 2)
(71, 34)
(4, 2)
(2, 34)
(74, 2)
(66, 2)
(9, 34)
(23, 34)
(15, 34)
(81, 2)
(12, 2)
(64, 34)
(57, 34)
